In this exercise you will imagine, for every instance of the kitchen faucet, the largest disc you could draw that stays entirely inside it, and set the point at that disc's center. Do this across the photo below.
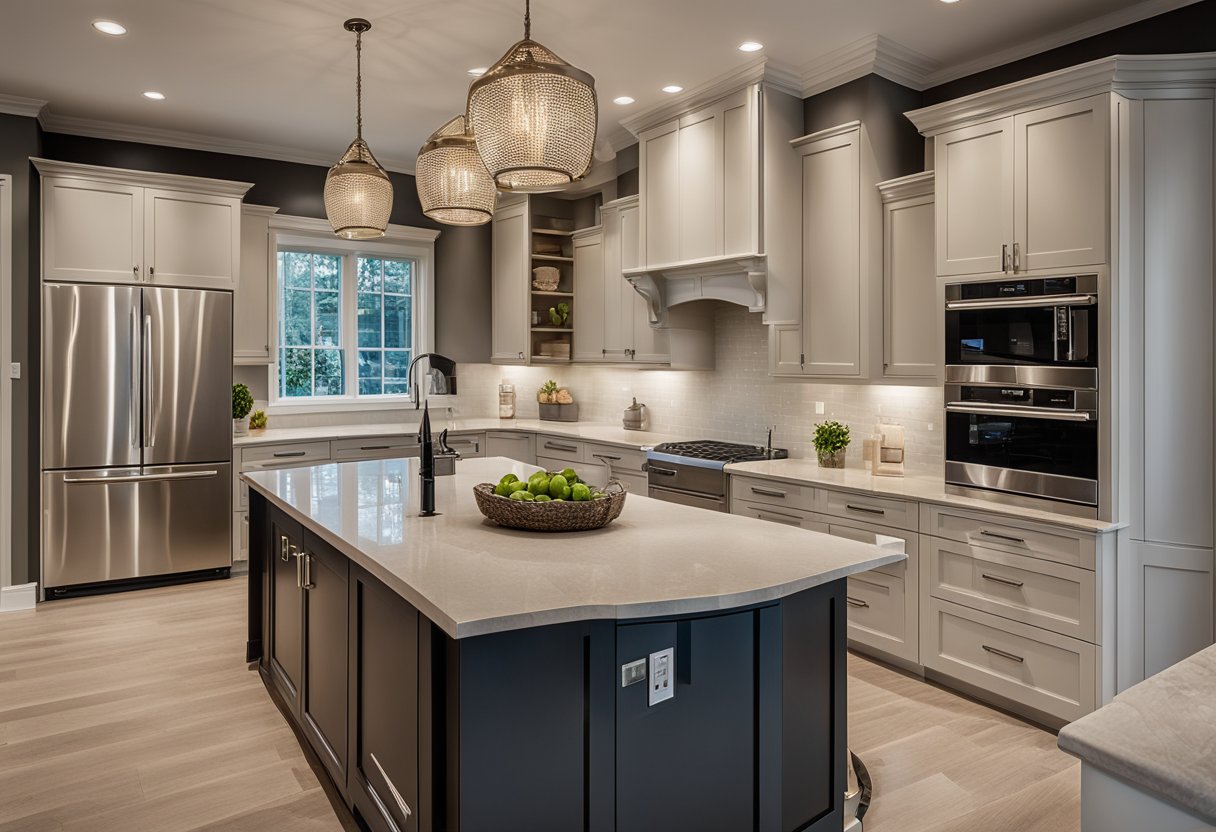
(441, 363)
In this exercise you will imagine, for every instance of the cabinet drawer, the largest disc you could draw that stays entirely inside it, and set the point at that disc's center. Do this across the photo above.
(615, 457)
(1036, 540)
(1037, 668)
(899, 514)
(1049, 595)
(263, 457)
(877, 536)
(786, 516)
(878, 613)
(551, 447)
(634, 483)
(468, 445)
(772, 493)
(513, 445)
(374, 447)
(594, 475)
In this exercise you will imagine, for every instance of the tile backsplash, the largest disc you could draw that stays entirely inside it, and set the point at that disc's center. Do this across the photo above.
(735, 402)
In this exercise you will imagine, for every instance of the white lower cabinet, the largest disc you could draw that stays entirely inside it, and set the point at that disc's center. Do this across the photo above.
(512, 445)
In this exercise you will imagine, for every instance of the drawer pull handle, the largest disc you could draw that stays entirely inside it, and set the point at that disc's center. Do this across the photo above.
(667, 472)
(779, 517)
(999, 536)
(607, 457)
(557, 446)
(768, 492)
(857, 602)
(865, 509)
(284, 454)
(998, 652)
(999, 580)
(375, 447)
(284, 546)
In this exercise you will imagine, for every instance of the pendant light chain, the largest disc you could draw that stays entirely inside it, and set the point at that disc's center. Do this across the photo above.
(527, 19)
(359, 85)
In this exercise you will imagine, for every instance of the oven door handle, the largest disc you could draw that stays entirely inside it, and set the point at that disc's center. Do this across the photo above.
(1045, 301)
(1017, 410)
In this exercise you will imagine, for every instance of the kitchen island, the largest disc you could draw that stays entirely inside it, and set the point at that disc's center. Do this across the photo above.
(453, 675)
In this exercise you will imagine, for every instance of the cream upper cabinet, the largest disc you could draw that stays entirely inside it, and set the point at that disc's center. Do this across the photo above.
(192, 239)
(105, 225)
(92, 231)
(912, 313)
(975, 198)
(700, 177)
(510, 284)
(1061, 185)
(616, 300)
(255, 291)
(589, 317)
(1025, 193)
(646, 344)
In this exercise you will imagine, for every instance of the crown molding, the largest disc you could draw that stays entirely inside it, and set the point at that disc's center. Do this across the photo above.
(16, 105)
(142, 178)
(94, 128)
(320, 227)
(906, 187)
(871, 55)
(618, 138)
(1127, 74)
(759, 71)
(826, 133)
(1058, 38)
(249, 209)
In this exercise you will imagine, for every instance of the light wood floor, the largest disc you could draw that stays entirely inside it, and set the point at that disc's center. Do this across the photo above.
(137, 713)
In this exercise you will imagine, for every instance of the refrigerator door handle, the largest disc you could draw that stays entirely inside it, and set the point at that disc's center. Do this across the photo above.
(149, 436)
(181, 475)
(135, 386)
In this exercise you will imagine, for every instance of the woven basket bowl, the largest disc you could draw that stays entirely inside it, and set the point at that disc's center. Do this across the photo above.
(549, 517)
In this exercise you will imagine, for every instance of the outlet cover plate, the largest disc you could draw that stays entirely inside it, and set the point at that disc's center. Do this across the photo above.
(662, 676)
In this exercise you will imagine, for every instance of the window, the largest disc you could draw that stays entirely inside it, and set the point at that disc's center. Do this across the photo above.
(349, 321)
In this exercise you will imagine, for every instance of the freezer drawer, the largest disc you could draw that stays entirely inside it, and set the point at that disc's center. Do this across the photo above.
(119, 524)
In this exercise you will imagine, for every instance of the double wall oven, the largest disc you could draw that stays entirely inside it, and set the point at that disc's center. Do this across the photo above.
(1022, 414)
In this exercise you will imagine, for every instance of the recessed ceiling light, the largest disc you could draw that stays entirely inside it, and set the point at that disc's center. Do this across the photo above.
(753, 46)
(949, 1)
(109, 27)
(477, 71)
(622, 100)
(672, 88)
(154, 95)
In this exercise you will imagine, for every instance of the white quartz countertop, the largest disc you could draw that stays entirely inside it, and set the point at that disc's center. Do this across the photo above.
(592, 431)
(919, 486)
(472, 577)
(1160, 735)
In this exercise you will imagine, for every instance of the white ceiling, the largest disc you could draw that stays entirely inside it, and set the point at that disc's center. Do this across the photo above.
(276, 77)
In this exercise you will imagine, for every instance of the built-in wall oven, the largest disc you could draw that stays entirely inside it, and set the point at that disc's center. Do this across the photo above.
(1021, 391)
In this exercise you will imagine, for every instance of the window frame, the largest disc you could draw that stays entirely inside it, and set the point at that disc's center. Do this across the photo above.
(399, 243)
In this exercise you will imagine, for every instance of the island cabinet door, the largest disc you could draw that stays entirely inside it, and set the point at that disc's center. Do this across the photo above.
(323, 699)
(285, 648)
(383, 775)
(688, 762)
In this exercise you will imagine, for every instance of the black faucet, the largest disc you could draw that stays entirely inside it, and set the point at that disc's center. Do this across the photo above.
(426, 467)
(438, 362)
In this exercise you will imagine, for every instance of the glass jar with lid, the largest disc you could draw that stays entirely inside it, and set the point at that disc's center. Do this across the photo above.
(506, 400)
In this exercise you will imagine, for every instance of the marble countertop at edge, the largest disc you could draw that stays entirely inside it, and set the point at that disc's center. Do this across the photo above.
(472, 577)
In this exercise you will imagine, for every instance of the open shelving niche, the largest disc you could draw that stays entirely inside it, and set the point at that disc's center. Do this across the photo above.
(552, 244)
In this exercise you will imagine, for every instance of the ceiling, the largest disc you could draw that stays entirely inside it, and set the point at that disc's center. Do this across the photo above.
(276, 77)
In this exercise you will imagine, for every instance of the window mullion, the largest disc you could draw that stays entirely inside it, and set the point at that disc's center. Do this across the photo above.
(350, 323)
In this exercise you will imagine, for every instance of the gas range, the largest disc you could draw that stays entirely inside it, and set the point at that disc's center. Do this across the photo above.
(694, 473)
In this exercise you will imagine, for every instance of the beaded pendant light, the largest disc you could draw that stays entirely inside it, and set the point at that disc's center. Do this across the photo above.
(358, 193)
(454, 186)
(534, 118)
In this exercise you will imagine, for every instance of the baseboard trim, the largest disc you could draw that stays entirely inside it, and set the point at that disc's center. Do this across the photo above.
(20, 597)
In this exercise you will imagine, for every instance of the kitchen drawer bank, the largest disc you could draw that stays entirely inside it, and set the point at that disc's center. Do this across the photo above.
(454, 676)
(1012, 606)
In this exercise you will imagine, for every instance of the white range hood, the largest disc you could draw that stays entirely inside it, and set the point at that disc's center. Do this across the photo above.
(738, 279)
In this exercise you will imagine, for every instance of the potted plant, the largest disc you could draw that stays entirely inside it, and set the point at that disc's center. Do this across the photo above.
(830, 441)
(242, 403)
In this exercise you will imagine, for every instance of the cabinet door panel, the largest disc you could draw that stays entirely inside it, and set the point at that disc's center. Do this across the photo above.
(517, 446)
(739, 172)
(324, 699)
(254, 290)
(699, 186)
(649, 345)
(286, 649)
(831, 257)
(615, 344)
(510, 285)
(660, 173)
(192, 239)
(1061, 185)
(912, 345)
(785, 350)
(974, 198)
(588, 316)
(92, 231)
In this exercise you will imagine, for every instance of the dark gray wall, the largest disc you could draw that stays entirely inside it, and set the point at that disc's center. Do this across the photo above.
(627, 171)
(19, 140)
(880, 105)
(1189, 29)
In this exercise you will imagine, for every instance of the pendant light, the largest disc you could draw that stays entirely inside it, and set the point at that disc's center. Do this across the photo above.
(533, 117)
(454, 186)
(358, 193)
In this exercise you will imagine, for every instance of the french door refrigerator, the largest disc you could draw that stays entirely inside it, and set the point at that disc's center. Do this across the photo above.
(136, 434)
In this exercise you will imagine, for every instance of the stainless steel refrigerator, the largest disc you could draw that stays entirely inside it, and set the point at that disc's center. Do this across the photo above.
(136, 434)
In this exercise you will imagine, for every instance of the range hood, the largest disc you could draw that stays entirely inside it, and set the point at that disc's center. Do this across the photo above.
(739, 279)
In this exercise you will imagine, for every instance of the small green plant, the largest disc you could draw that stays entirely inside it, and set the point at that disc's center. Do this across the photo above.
(242, 401)
(548, 392)
(830, 437)
(258, 420)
